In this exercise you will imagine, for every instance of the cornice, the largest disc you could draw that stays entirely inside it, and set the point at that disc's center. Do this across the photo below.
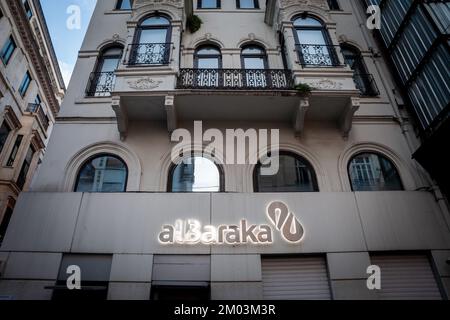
(32, 48)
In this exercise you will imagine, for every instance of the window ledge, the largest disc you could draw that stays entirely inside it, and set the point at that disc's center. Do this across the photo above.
(93, 100)
(116, 11)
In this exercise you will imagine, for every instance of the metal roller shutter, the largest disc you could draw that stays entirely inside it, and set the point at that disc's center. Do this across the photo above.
(406, 277)
(295, 279)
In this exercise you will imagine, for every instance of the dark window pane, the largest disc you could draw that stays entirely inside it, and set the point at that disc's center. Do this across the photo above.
(123, 5)
(196, 174)
(208, 4)
(102, 174)
(334, 5)
(27, 7)
(22, 179)
(248, 4)
(4, 134)
(294, 175)
(14, 151)
(372, 172)
(8, 50)
(25, 84)
(5, 222)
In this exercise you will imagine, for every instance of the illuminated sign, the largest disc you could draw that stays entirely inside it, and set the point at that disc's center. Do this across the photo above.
(192, 232)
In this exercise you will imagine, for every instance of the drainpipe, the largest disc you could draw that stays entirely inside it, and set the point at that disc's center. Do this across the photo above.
(188, 7)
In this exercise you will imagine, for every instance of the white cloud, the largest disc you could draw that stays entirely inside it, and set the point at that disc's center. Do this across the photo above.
(66, 71)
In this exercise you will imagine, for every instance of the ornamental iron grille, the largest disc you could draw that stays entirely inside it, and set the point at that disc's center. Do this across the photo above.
(318, 55)
(236, 79)
(36, 109)
(150, 54)
(101, 84)
(366, 84)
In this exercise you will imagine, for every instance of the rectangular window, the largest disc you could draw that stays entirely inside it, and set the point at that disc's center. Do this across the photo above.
(123, 5)
(334, 5)
(38, 100)
(247, 4)
(25, 84)
(8, 50)
(5, 130)
(27, 8)
(5, 222)
(14, 151)
(22, 179)
(208, 4)
(95, 272)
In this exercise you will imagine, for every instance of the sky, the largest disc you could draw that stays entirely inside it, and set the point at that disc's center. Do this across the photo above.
(67, 35)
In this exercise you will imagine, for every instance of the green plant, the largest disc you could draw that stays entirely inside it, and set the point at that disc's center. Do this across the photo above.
(303, 88)
(194, 23)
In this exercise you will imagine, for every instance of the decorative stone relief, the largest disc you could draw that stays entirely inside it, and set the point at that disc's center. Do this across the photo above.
(290, 7)
(116, 37)
(325, 84)
(146, 83)
(143, 2)
(317, 3)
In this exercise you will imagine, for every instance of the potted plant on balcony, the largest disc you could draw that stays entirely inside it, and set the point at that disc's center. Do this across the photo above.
(303, 88)
(194, 23)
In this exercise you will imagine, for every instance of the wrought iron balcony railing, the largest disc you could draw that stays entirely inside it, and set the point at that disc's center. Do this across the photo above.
(36, 109)
(318, 55)
(235, 79)
(100, 84)
(366, 84)
(149, 53)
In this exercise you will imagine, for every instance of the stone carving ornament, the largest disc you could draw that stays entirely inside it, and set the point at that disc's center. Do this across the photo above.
(325, 84)
(144, 2)
(317, 3)
(145, 83)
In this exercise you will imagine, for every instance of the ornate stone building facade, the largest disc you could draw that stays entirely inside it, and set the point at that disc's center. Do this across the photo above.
(31, 91)
(110, 199)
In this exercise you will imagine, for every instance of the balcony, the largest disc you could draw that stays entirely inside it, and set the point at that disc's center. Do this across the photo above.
(43, 120)
(100, 84)
(366, 84)
(142, 54)
(235, 79)
(318, 56)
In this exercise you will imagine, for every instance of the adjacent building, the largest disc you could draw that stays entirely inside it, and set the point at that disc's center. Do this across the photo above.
(422, 70)
(31, 91)
(110, 199)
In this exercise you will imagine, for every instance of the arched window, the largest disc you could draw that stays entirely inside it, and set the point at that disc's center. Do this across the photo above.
(101, 82)
(373, 172)
(196, 174)
(208, 60)
(208, 57)
(254, 57)
(313, 43)
(295, 174)
(254, 61)
(152, 42)
(102, 173)
(363, 80)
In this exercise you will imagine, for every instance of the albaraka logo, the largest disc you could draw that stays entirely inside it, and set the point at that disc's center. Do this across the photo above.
(192, 232)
